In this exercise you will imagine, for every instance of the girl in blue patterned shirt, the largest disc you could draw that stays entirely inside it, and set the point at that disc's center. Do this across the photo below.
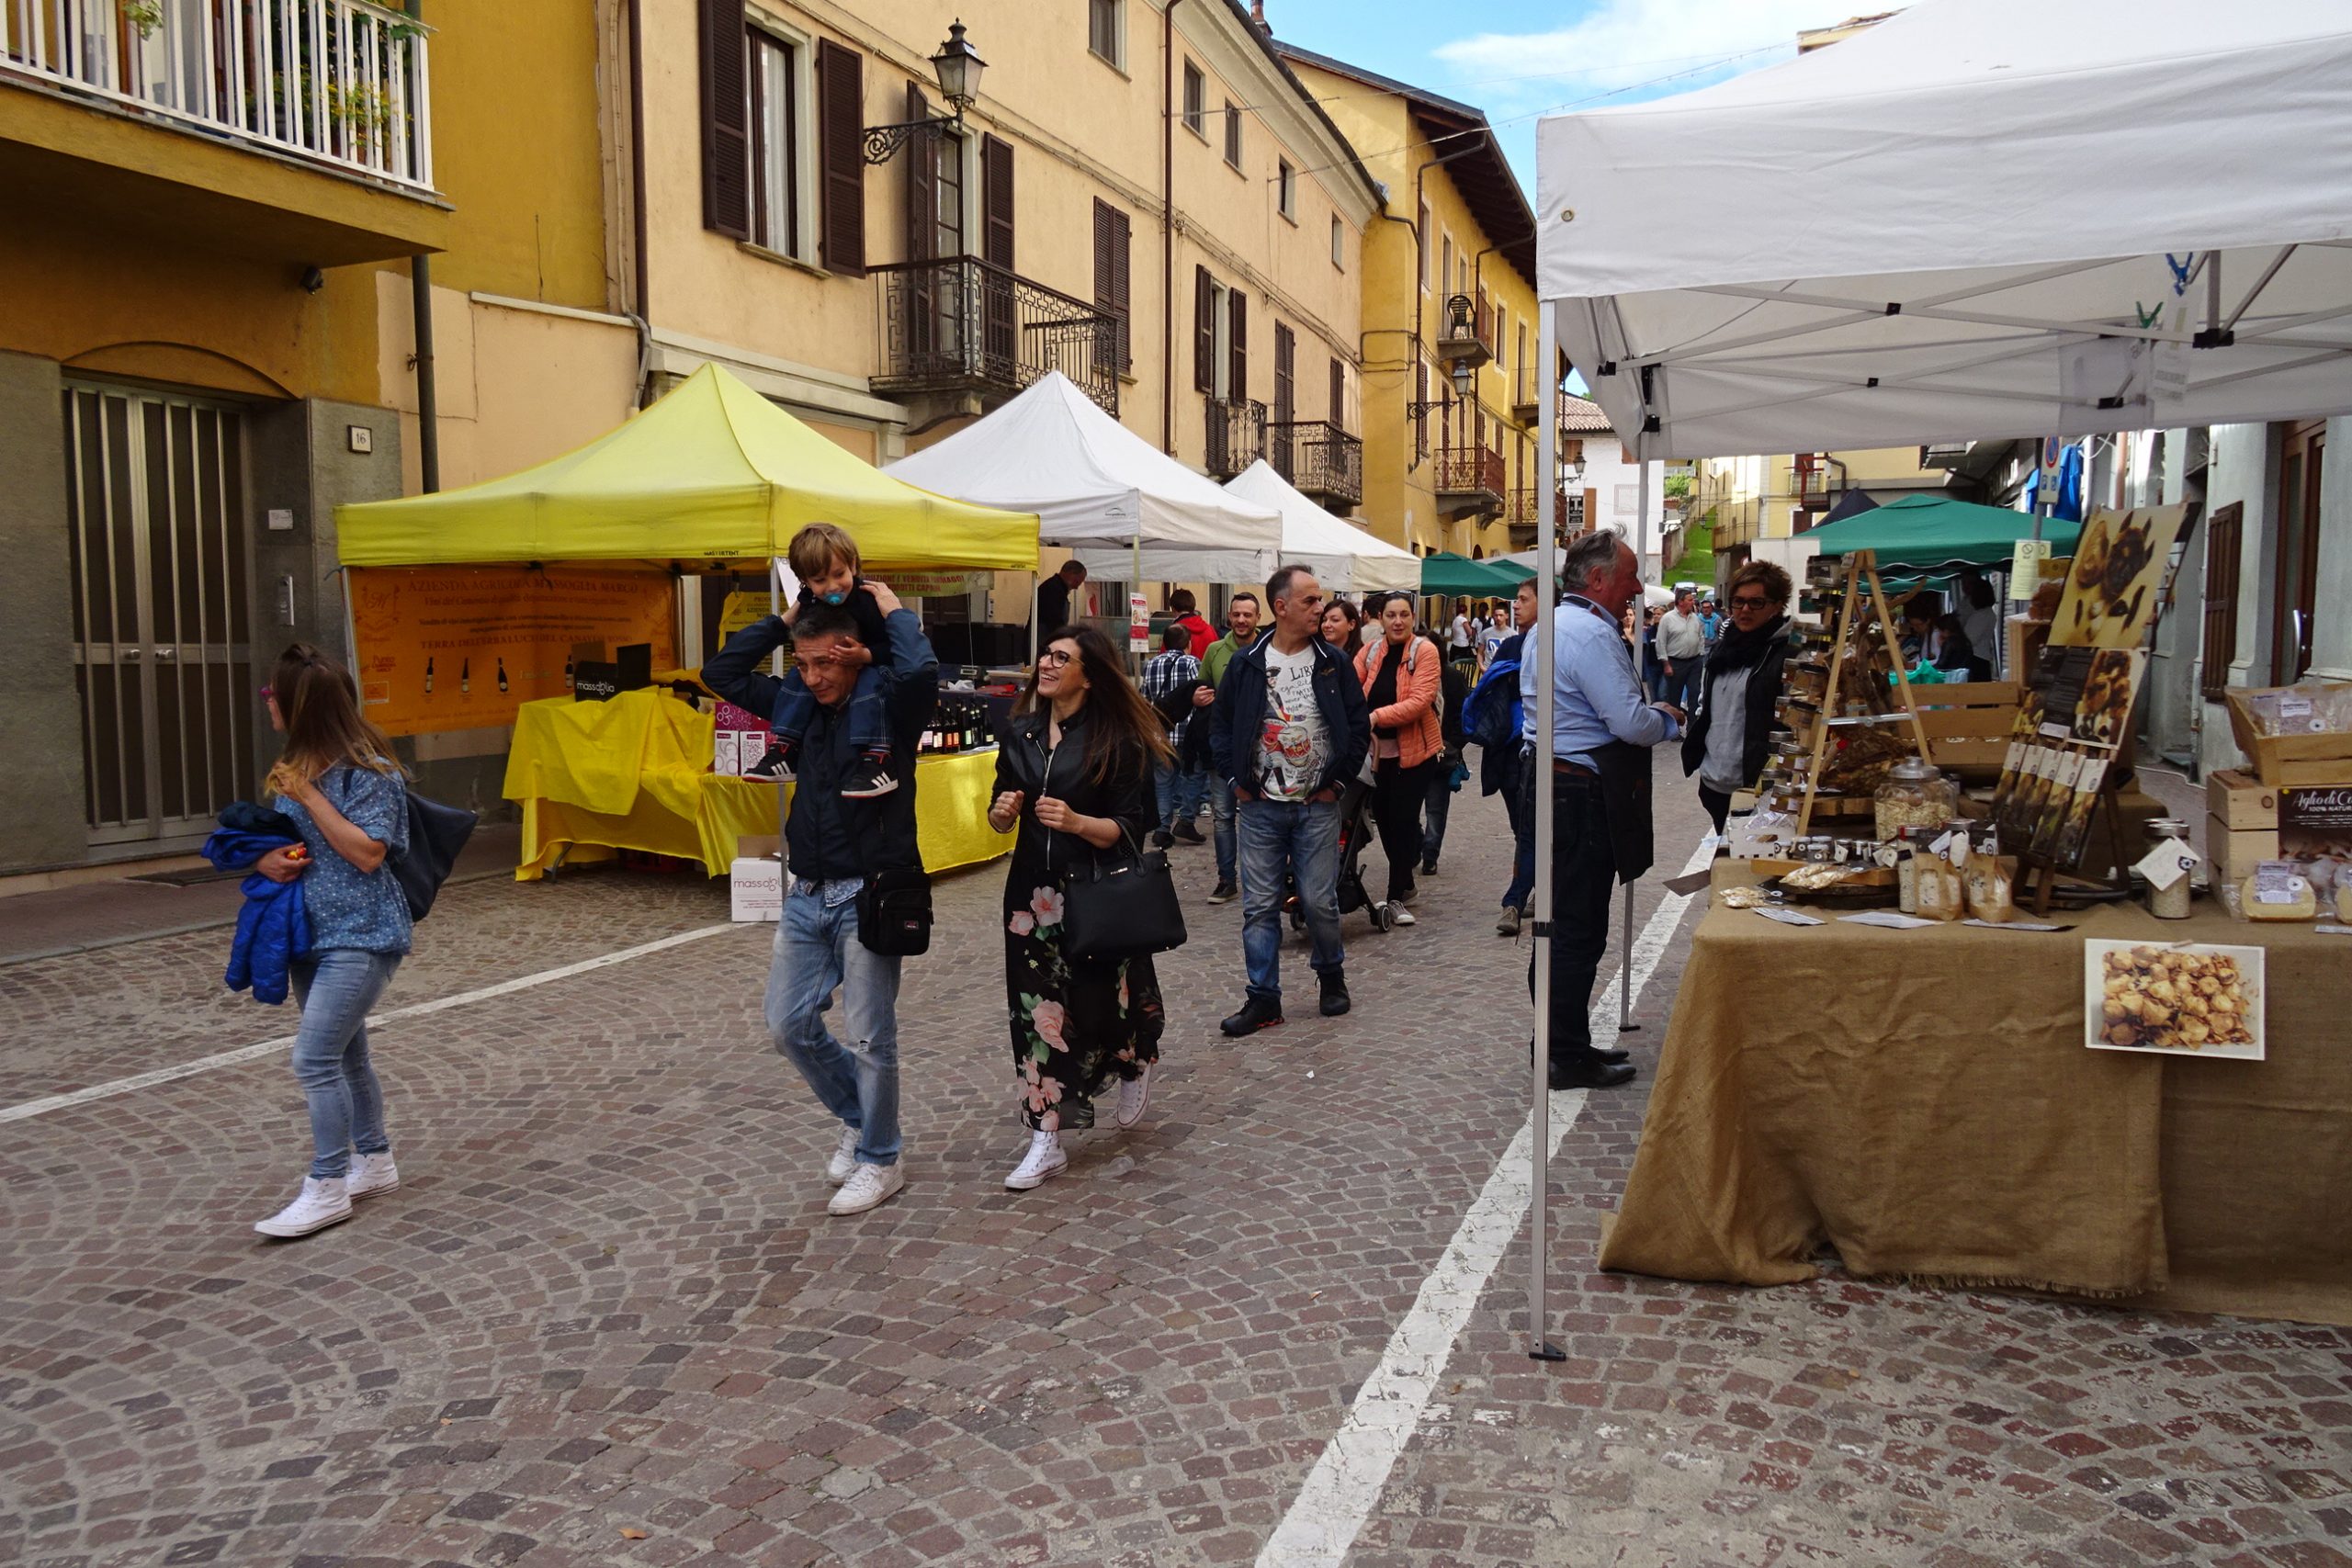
(348, 799)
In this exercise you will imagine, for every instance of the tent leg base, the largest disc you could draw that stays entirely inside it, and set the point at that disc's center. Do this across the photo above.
(1627, 1028)
(1547, 1351)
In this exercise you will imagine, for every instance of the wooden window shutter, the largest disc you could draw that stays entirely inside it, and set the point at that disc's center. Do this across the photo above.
(1238, 306)
(1113, 280)
(725, 121)
(997, 327)
(1339, 395)
(840, 115)
(1285, 378)
(2224, 536)
(1422, 403)
(1204, 331)
(922, 183)
(996, 191)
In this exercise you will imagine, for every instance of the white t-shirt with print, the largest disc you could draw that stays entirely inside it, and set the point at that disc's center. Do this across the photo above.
(1296, 746)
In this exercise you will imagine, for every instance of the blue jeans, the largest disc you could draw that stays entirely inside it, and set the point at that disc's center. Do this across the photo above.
(866, 721)
(1281, 841)
(1439, 807)
(1221, 805)
(335, 990)
(1183, 790)
(816, 952)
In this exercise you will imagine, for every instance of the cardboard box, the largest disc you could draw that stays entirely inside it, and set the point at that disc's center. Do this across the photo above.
(729, 716)
(725, 754)
(756, 878)
(2240, 801)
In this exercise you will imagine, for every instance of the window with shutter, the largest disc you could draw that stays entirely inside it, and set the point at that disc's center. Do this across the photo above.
(1285, 372)
(1236, 305)
(996, 249)
(1232, 134)
(932, 318)
(1339, 394)
(2224, 536)
(840, 115)
(725, 121)
(1204, 331)
(1196, 94)
(1113, 235)
(1422, 407)
(1286, 190)
(778, 68)
(1107, 30)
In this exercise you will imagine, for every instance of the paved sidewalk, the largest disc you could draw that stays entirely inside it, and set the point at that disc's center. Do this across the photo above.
(607, 1320)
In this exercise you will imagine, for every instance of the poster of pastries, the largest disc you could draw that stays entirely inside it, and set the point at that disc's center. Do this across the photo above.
(2172, 999)
(2074, 828)
(2118, 577)
(2103, 709)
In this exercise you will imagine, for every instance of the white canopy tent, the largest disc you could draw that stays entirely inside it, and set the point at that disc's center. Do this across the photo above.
(2014, 218)
(1100, 489)
(1343, 556)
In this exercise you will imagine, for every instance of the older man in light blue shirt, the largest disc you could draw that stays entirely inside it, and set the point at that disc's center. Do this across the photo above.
(1600, 716)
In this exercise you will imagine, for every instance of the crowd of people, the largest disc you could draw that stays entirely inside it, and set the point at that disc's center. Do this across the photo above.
(1308, 714)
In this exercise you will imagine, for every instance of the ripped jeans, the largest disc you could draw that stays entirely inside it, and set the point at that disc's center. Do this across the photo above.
(816, 952)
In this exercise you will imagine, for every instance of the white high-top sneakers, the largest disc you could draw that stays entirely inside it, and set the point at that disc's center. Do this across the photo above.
(1043, 1161)
(844, 1164)
(371, 1174)
(321, 1203)
(1135, 1093)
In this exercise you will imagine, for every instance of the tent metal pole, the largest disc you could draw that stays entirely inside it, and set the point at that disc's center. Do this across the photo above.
(1625, 1023)
(775, 667)
(1539, 1116)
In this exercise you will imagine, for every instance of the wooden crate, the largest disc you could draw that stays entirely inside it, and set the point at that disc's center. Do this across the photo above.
(1968, 725)
(2286, 761)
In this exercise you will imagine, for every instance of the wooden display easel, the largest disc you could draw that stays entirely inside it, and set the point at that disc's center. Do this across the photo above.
(1861, 566)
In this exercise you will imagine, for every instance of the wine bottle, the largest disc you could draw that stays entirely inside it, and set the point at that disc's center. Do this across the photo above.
(466, 675)
(502, 674)
(567, 673)
(428, 676)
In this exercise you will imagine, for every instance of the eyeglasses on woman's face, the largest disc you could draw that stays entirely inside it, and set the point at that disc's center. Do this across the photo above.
(1750, 602)
(1056, 656)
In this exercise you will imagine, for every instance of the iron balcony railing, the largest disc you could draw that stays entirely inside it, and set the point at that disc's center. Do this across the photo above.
(1470, 470)
(962, 324)
(1324, 461)
(340, 83)
(1237, 436)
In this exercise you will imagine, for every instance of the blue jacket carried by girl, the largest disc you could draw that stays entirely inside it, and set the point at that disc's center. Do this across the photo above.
(274, 927)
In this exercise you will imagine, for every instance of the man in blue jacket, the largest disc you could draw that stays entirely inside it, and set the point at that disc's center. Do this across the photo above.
(1288, 729)
(833, 844)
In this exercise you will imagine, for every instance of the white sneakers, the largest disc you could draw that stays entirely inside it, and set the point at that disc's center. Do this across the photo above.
(844, 1164)
(1400, 916)
(1135, 1093)
(868, 1187)
(322, 1201)
(1043, 1161)
(371, 1174)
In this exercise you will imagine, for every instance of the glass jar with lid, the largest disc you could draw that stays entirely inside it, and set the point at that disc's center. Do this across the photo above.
(2168, 903)
(1915, 795)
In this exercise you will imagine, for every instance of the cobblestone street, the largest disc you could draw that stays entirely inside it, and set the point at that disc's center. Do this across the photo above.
(607, 1319)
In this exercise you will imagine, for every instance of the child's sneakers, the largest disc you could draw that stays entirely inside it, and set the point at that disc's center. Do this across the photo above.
(870, 778)
(773, 767)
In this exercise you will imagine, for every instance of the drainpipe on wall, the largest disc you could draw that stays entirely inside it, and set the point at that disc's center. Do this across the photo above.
(428, 402)
(1168, 227)
(641, 306)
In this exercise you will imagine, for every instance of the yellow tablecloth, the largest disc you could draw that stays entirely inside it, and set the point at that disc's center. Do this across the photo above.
(632, 774)
(1922, 1100)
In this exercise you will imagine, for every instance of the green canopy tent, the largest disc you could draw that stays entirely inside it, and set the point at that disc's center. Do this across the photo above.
(1446, 572)
(1927, 531)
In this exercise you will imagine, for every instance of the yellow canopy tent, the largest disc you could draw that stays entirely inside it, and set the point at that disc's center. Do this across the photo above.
(713, 471)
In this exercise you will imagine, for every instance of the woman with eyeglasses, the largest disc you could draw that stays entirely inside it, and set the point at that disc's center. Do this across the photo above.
(337, 782)
(1074, 773)
(1730, 732)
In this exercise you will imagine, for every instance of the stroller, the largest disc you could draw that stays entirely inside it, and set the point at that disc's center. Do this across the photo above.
(1355, 829)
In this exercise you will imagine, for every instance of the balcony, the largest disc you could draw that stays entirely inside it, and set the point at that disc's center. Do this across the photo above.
(1468, 482)
(289, 129)
(1526, 524)
(1325, 462)
(1526, 398)
(1237, 436)
(1467, 331)
(970, 334)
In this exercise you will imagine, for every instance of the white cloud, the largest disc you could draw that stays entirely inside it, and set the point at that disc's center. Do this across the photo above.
(1626, 43)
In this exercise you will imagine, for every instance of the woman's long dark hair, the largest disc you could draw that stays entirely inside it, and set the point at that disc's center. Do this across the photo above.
(323, 724)
(1120, 724)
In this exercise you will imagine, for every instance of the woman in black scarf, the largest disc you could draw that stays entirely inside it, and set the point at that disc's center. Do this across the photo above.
(1727, 739)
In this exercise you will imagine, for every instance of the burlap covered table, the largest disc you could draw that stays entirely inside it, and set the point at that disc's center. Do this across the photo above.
(1922, 1102)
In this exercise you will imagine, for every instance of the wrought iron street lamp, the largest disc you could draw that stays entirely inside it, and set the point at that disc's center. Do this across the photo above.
(957, 66)
(1465, 377)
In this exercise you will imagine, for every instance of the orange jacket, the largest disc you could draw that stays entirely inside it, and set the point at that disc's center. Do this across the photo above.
(1414, 715)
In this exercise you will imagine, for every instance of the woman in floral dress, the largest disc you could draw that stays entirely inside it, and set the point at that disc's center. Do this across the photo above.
(1075, 770)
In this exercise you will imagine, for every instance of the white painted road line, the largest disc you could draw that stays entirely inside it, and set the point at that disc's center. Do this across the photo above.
(1345, 1485)
(265, 1047)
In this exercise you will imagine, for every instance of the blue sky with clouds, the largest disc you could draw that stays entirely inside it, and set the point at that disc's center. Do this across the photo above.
(1519, 59)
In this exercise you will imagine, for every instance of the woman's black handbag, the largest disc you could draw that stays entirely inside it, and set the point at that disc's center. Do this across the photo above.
(1124, 910)
(894, 912)
(436, 834)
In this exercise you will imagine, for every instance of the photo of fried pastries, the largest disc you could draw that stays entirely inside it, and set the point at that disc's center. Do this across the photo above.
(2174, 999)
(2103, 714)
(2117, 577)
